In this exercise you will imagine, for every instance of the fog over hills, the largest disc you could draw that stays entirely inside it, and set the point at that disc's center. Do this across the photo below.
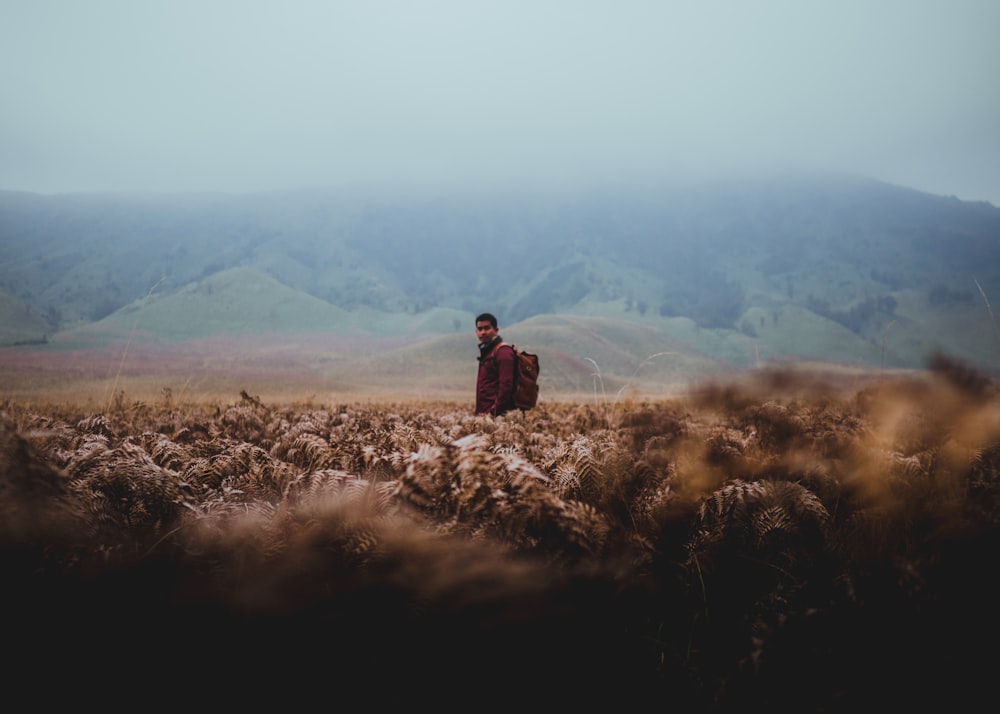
(828, 268)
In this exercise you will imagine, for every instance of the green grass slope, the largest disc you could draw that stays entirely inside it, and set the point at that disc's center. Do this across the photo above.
(19, 322)
(245, 301)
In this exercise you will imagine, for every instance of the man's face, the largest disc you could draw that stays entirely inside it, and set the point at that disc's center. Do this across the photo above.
(485, 331)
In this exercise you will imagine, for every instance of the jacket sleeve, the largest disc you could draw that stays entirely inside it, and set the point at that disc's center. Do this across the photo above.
(505, 370)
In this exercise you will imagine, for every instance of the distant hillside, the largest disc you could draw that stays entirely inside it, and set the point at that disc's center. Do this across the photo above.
(821, 267)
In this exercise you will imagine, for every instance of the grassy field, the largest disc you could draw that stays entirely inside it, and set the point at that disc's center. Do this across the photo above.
(783, 540)
(583, 358)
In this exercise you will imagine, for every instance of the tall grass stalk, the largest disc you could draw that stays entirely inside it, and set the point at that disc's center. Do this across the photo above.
(128, 344)
(183, 389)
(638, 369)
(988, 309)
(598, 379)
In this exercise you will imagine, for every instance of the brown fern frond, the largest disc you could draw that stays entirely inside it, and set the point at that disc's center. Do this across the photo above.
(86, 447)
(308, 451)
(35, 503)
(244, 423)
(316, 485)
(128, 490)
(565, 478)
(447, 481)
(529, 516)
(164, 451)
(774, 425)
(252, 468)
(205, 471)
(96, 424)
(759, 519)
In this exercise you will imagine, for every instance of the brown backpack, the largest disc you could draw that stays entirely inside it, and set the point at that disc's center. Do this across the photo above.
(525, 379)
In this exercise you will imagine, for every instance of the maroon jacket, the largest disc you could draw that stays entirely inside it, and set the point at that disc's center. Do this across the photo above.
(495, 382)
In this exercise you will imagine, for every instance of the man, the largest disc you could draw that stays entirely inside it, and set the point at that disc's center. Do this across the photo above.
(495, 382)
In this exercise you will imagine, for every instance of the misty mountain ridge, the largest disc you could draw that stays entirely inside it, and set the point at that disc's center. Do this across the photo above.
(827, 268)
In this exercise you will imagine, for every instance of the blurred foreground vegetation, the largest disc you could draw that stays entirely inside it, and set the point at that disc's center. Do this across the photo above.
(781, 542)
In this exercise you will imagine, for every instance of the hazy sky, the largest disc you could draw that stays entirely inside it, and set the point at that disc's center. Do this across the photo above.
(248, 95)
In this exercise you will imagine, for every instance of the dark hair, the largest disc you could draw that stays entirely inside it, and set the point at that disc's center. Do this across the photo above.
(487, 317)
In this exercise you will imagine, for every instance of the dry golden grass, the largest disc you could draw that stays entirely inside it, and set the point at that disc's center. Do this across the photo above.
(790, 542)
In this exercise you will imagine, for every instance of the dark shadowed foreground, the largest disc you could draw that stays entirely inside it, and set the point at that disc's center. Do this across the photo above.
(773, 545)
